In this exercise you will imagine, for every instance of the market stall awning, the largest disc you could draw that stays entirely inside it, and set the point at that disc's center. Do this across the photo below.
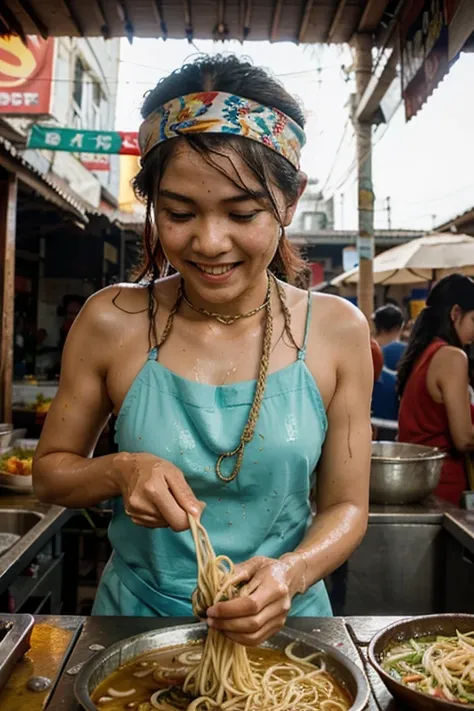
(419, 261)
(275, 20)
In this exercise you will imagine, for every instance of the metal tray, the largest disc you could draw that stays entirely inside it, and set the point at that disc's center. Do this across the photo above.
(103, 664)
(15, 633)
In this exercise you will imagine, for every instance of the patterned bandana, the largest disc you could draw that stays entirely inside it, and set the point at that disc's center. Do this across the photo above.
(217, 112)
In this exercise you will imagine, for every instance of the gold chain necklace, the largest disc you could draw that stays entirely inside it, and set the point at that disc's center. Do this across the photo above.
(226, 319)
(249, 429)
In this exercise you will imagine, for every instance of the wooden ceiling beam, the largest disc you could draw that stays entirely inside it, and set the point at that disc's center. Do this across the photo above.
(247, 18)
(125, 17)
(372, 14)
(29, 10)
(105, 29)
(276, 20)
(11, 21)
(74, 17)
(158, 6)
(336, 20)
(188, 20)
(305, 20)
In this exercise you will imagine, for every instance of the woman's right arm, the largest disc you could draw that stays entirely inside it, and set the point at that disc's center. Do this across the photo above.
(453, 381)
(155, 492)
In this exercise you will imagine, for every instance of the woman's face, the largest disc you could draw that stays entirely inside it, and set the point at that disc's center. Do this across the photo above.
(464, 325)
(219, 238)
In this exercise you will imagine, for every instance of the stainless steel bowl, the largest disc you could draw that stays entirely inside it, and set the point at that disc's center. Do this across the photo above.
(6, 432)
(417, 627)
(103, 664)
(403, 473)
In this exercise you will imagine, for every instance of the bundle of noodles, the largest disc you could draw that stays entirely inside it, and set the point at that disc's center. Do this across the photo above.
(224, 678)
(223, 673)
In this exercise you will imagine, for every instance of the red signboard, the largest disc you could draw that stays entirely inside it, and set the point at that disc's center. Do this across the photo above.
(424, 49)
(26, 74)
(129, 143)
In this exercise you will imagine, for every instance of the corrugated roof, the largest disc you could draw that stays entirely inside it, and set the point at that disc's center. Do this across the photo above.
(464, 217)
(276, 20)
(63, 196)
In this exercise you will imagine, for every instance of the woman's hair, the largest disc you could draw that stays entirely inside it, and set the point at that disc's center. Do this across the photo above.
(234, 76)
(435, 321)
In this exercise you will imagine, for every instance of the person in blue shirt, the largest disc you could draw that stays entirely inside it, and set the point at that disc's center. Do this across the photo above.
(388, 322)
(385, 402)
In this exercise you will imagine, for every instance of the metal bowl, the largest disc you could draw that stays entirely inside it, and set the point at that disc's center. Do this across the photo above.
(417, 627)
(6, 432)
(402, 473)
(103, 664)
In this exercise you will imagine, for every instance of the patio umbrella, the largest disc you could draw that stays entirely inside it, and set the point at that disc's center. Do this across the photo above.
(422, 260)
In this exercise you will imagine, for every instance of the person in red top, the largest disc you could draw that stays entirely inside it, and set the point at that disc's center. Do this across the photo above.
(433, 381)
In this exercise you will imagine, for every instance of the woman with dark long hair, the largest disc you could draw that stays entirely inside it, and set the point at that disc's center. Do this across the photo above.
(230, 384)
(433, 381)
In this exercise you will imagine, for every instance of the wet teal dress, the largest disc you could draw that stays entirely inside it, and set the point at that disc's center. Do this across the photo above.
(264, 511)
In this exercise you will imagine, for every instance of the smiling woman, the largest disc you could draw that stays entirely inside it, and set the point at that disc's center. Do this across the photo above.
(231, 386)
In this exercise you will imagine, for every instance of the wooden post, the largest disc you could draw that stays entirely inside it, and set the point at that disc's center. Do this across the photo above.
(363, 130)
(8, 206)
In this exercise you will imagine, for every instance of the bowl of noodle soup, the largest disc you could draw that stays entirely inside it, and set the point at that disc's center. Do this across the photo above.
(150, 671)
(427, 662)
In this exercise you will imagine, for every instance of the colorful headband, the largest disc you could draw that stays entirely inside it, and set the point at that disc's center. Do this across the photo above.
(217, 112)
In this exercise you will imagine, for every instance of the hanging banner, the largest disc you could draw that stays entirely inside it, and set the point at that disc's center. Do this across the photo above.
(424, 52)
(26, 74)
(78, 141)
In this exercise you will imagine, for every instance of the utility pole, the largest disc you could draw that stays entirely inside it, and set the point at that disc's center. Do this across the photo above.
(342, 210)
(363, 130)
(389, 213)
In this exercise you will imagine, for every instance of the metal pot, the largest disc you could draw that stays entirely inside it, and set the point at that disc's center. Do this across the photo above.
(104, 663)
(403, 473)
(427, 626)
(6, 432)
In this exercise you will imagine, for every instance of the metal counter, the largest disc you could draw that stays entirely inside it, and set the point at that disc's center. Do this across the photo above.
(13, 562)
(108, 630)
(408, 562)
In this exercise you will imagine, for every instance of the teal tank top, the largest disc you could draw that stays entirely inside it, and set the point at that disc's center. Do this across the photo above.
(265, 511)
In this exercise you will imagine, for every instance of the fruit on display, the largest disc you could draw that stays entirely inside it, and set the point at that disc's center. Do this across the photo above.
(41, 404)
(17, 461)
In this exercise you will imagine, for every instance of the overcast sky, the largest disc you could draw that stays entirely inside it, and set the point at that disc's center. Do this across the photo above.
(426, 167)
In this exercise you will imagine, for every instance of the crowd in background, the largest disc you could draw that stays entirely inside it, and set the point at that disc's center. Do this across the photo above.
(425, 380)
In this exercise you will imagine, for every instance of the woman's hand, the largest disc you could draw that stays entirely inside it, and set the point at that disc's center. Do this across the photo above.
(265, 601)
(155, 492)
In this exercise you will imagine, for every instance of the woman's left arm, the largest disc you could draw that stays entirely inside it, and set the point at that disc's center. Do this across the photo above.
(342, 500)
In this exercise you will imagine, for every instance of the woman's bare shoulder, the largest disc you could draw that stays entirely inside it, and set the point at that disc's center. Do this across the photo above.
(338, 319)
(111, 306)
(450, 357)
